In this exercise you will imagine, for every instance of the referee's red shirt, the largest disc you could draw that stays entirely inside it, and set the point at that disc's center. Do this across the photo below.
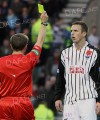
(16, 73)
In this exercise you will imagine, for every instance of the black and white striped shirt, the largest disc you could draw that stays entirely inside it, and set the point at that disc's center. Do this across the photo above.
(76, 74)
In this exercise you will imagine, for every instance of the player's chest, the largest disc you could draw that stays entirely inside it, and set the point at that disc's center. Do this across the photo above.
(79, 62)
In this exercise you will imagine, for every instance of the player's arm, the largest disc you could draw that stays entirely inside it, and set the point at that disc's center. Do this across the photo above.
(59, 86)
(95, 74)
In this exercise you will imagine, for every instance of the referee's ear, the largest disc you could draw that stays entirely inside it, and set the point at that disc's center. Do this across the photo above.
(11, 46)
(25, 48)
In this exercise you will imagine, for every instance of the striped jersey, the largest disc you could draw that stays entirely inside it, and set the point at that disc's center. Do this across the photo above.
(78, 74)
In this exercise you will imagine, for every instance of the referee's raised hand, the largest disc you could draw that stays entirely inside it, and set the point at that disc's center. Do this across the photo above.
(44, 17)
(42, 33)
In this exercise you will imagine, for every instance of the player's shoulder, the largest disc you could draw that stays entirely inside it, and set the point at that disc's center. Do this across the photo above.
(67, 48)
(97, 50)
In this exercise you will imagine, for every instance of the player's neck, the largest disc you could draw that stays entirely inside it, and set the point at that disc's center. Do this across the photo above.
(17, 52)
(80, 44)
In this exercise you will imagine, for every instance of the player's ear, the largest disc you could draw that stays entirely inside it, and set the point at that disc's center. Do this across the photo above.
(84, 34)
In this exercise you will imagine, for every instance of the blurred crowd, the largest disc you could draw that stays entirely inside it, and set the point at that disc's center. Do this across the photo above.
(22, 16)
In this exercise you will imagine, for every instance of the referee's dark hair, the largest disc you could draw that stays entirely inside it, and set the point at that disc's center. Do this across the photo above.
(19, 41)
(82, 24)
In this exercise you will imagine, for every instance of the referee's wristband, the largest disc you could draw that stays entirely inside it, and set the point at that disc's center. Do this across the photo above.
(44, 23)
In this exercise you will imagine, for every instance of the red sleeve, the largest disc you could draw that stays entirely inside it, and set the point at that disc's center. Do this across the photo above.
(34, 55)
(36, 47)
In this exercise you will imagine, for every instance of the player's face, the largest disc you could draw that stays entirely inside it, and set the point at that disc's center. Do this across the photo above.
(76, 33)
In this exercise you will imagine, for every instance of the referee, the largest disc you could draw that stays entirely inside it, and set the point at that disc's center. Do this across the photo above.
(78, 77)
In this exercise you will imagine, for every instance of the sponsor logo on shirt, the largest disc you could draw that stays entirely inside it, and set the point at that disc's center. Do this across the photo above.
(76, 69)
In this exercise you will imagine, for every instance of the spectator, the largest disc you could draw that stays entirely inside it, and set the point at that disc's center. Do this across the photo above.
(27, 32)
(11, 19)
(18, 28)
(5, 49)
(25, 20)
(67, 34)
(4, 8)
(16, 6)
(49, 92)
(11, 32)
(43, 112)
(52, 62)
(58, 32)
(93, 39)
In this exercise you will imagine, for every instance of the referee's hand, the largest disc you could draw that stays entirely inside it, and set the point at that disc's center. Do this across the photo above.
(58, 105)
(44, 17)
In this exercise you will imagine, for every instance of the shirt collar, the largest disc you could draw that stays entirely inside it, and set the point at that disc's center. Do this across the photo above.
(86, 43)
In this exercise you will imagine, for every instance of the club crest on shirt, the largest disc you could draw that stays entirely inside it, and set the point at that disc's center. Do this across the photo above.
(88, 53)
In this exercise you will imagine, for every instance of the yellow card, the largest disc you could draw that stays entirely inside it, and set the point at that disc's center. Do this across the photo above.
(40, 8)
